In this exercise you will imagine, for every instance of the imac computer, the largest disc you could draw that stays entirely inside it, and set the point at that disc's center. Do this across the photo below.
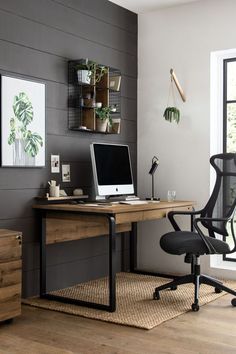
(112, 172)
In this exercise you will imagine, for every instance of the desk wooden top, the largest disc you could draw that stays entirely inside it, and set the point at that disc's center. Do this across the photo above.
(115, 208)
(66, 222)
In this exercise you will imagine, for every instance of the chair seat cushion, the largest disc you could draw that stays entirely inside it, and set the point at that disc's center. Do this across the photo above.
(181, 242)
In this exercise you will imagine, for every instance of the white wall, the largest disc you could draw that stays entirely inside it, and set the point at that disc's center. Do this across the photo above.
(181, 38)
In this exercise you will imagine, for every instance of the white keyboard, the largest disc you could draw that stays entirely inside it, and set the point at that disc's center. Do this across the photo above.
(131, 197)
(133, 202)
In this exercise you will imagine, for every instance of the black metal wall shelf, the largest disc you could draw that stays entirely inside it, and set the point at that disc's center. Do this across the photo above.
(83, 98)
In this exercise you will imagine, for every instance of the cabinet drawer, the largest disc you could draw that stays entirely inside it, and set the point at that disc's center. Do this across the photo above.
(10, 248)
(10, 273)
(10, 301)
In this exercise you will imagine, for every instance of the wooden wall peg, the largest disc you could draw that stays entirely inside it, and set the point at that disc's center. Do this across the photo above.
(177, 84)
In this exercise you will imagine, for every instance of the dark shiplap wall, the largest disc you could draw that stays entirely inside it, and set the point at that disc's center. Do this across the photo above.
(37, 38)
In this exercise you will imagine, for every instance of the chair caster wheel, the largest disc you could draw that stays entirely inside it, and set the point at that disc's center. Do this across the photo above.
(174, 287)
(233, 301)
(195, 307)
(156, 296)
(218, 291)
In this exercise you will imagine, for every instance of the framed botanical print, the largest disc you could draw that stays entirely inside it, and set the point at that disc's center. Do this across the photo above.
(65, 173)
(22, 122)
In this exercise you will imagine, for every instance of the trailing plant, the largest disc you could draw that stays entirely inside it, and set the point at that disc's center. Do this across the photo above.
(24, 114)
(103, 113)
(95, 70)
(172, 114)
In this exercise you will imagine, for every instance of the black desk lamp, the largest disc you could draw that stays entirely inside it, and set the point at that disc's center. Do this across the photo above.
(155, 163)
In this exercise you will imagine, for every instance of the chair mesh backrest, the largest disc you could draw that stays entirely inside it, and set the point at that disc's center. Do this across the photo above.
(223, 198)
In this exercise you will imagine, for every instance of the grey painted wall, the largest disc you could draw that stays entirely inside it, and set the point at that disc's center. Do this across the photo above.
(37, 38)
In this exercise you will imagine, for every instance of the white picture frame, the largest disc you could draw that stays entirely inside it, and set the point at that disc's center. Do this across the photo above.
(55, 163)
(22, 122)
(65, 173)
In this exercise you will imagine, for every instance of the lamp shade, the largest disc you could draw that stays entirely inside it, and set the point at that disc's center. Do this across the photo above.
(155, 163)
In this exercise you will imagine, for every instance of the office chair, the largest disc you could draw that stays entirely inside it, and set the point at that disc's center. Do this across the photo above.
(217, 218)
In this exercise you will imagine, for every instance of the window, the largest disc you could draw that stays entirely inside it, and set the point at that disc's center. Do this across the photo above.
(229, 119)
(223, 123)
(229, 105)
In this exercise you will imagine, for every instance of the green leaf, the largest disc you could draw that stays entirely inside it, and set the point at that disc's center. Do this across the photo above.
(103, 113)
(33, 142)
(23, 108)
(12, 124)
(11, 138)
(12, 135)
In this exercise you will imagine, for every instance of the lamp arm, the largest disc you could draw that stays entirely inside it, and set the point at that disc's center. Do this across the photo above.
(153, 192)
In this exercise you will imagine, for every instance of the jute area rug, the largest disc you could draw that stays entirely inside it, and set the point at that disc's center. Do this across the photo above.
(135, 305)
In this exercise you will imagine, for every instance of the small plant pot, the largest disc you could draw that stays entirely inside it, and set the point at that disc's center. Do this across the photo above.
(172, 114)
(101, 125)
(88, 102)
(99, 104)
(115, 126)
(84, 76)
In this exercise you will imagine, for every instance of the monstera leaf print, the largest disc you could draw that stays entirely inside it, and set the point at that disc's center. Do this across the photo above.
(33, 141)
(23, 108)
(24, 114)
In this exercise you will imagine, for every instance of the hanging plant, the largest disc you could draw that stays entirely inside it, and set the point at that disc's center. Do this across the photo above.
(172, 113)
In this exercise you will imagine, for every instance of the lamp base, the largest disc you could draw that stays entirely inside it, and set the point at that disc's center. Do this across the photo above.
(156, 199)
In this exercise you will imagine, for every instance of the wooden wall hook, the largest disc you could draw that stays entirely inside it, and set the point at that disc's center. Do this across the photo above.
(177, 84)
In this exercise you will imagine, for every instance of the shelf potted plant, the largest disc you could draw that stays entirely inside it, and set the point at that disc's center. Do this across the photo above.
(89, 72)
(103, 118)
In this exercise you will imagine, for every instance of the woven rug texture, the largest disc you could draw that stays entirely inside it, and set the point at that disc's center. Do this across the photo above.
(135, 304)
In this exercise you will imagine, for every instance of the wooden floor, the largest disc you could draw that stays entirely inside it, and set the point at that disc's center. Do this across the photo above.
(210, 331)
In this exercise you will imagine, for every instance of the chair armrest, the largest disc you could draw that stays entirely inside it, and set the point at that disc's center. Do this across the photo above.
(171, 214)
(213, 219)
(204, 238)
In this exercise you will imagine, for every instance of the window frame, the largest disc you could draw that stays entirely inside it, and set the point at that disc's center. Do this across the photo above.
(224, 123)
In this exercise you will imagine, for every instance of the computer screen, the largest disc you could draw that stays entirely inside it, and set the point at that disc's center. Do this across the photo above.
(112, 171)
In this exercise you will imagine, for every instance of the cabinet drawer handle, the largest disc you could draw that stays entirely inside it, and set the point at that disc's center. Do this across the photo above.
(18, 237)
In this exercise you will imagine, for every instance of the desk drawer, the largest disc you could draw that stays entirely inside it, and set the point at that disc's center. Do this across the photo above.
(147, 214)
(74, 227)
(186, 208)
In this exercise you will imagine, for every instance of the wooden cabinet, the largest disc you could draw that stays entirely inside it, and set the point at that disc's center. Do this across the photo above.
(10, 274)
(85, 94)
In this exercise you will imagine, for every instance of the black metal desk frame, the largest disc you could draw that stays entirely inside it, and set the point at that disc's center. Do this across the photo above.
(111, 307)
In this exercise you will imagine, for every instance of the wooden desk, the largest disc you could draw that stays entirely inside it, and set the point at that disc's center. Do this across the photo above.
(67, 222)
